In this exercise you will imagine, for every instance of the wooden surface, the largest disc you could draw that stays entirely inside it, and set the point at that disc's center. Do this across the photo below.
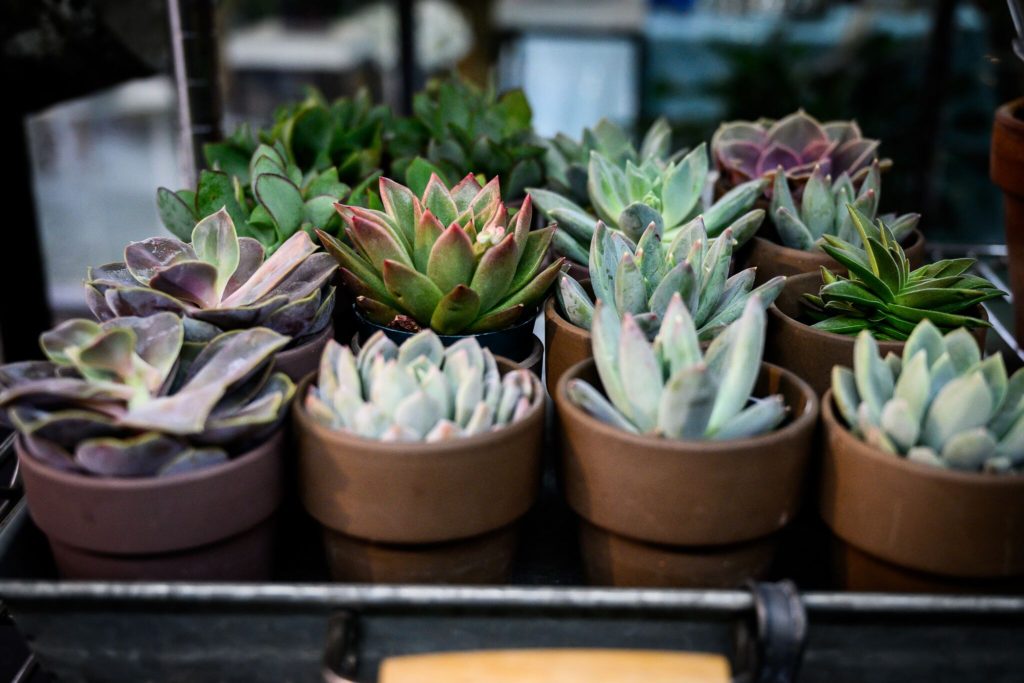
(557, 666)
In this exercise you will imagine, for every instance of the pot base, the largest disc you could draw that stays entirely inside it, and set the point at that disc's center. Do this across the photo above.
(484, 559)
(613, 560)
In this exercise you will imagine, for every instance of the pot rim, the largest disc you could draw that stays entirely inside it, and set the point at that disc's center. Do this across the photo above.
(1005, 117)
(86, 481)
(341, 439)
(528, 319)
(834, 425)
(801, 422)
(911, 240)
(552, 313)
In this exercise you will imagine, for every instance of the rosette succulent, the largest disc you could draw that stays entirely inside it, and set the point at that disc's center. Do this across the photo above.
(642, 280)
(669, 388)
(450, 260)
(751, 149)
(459, 128)
(629, 197)
(567, 161)
(128, 397)
(883, 295)
(821, 209)
(419, 391)
(941, 405)
(219, 282)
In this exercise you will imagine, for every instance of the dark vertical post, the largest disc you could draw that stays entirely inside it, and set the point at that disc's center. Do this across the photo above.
(407, 53)
(194, 51)
(24, 307)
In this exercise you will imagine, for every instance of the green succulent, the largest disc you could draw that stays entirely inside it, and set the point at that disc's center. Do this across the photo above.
(419, 391)
(450, 260)
(566, 161)
(641, 280)
(128, 397)
(669, 388)
(218, 281)
(630, 197)
(941, 405)
(459, 128)
(883, 295)
(822, 209)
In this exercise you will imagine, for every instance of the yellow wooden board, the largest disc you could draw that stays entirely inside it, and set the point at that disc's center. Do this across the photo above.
(557, 666)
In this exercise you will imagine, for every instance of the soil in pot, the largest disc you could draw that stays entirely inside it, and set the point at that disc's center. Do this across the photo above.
(952, 525)
(418, 494)
(810, 353)
(300, 360)
(696, 496)
(206, 525)
(1007, 171)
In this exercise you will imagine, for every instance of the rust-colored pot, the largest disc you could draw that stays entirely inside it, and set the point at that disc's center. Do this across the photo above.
(567, 344)
(1007, 171)
(771, 258)
(534, 360)
(809, 352)
(162, 527)
(687, 493)
(304, 359)
(956, 524)
(417, 493)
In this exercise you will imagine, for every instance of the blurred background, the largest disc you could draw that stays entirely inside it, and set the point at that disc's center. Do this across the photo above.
(92, 81)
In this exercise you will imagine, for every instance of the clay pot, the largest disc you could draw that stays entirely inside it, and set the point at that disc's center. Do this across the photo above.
(685, 493)
(533, 361)
(419, 493)
(300, 361)
(812, 353)
(771, 258)
(1007, 171)
(919, 517)
(567, 344)
(204, 525)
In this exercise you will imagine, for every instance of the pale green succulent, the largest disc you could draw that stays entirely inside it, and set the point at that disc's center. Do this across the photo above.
(629, 197)
(822, 209)
(419, 391)
(941, 405)
(641, 280)
(669, 388)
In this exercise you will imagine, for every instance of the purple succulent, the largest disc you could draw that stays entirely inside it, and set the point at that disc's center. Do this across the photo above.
(744, 150)
(219, 282)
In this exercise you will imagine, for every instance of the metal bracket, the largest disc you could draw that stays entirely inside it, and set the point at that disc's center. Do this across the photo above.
(770, 649)
(341, 654)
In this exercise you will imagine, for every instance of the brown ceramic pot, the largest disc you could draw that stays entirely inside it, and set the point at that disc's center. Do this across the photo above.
(419, 493)
(534, 360)
(197, 525)
(928, 519)
(1007, 171)
(567, 344)
(304, 359)
(772, 259)
(812, 353)
(686, 493)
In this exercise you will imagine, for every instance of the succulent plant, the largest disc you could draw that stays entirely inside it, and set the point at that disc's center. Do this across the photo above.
(629, 197)
(450, 260)
(459, 128)
(941, 404)
(419, 391)
(219, 282)
(822, 209)
(128, 397)
(750, 149)
(269, 199)
(669, 388)
(566, 161)
(642, 280)
(883, 295)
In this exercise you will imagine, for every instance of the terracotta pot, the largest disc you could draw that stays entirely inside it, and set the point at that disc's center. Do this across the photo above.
(167, 527)
(419, 493)
(567, 344)
(613, 560)
(812, 353)
(533, 361)
(1007, 171)
(686, 493)
(302, 360)
(928, 519)
(484, 559)
(771, 258)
